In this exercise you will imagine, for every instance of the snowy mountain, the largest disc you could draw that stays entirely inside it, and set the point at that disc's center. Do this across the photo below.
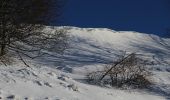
(56, 77)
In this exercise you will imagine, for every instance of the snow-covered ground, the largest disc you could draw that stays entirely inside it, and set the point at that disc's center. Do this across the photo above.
(55, 77)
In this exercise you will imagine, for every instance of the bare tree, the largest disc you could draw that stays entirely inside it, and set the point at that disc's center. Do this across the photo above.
(21, 22)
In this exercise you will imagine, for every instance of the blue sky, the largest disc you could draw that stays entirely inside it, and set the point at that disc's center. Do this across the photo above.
(147, 16)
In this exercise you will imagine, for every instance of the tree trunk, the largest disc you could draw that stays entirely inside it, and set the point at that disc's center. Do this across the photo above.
(3, 25)
(2, 51)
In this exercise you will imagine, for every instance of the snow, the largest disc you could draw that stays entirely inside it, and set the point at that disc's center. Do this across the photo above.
(62, 77)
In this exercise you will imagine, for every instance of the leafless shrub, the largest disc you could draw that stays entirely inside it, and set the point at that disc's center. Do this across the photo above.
(128, 71)
(94, 77)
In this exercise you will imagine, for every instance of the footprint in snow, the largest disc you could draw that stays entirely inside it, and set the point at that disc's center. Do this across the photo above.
(63, 77)
(46, 98)
(26, 98)
(51, 74)
(53, 98)
(73, 87)
(63, 84)
(11, 97)
(43, 83)
(47, 84)
(38, 83)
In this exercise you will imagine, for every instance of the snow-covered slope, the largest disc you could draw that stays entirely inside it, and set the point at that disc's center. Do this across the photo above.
(56, 77)
(89, 46)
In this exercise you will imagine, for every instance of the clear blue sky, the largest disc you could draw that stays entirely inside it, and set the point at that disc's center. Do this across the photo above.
(148, 16)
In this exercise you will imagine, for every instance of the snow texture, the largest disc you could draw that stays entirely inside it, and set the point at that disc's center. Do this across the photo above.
(55, 77)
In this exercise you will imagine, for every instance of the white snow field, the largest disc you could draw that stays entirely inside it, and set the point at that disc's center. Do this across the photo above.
(54, 77)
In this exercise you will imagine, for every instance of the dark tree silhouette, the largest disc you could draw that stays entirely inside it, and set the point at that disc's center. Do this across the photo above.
(21, 22)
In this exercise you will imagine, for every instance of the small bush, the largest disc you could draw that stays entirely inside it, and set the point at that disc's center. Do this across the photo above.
(94, 77)
(128, 71)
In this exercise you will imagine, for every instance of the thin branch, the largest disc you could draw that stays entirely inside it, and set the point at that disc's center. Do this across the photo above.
(115, 66)
(3, 62)
(22, 59)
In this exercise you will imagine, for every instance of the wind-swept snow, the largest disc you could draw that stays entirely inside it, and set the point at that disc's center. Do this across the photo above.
(56, 77)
